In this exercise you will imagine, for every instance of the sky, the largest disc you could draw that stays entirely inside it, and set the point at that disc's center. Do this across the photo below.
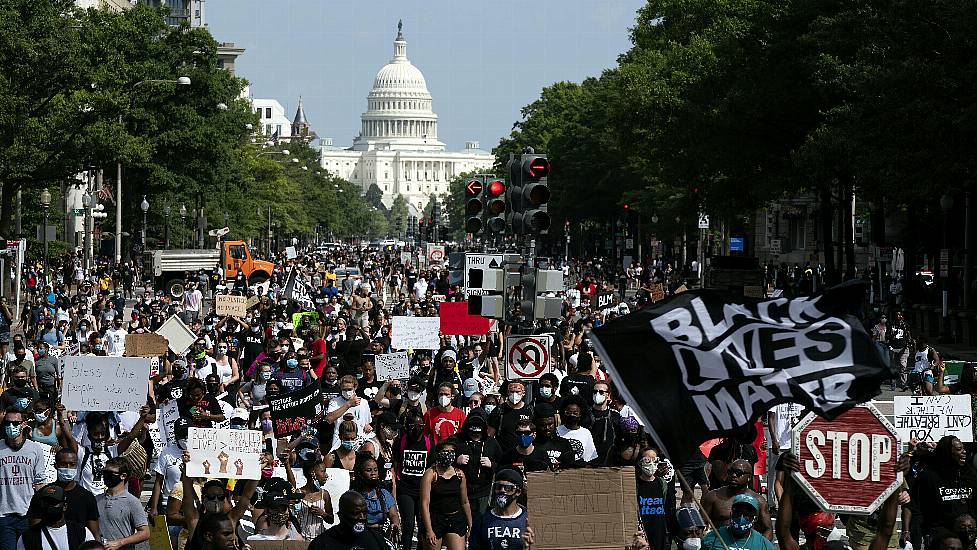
(482, 60)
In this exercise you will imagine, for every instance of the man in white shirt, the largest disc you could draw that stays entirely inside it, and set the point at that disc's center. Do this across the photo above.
(420, 289)
(54, 529)
(347, 405)
(115, 339)
(192, 300)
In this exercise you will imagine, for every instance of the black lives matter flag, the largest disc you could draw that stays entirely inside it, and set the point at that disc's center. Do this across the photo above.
(700, 365)
(297, 289)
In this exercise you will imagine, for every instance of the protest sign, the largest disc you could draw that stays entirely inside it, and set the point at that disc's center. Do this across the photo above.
(292, 412)
(602, 301)
(930, 417)
(252, 301)
(50, 472)
(753, 291)
(952, 371)
(159, 536)
(105, 383)
(291, 253)
(147, 344)
(415, 333)
(165, 418)
(177, 334)
(456, 320)
(392, 365)
(229, 304)
(313, 319)
(336, 484)
(586, 509)
(225, 454)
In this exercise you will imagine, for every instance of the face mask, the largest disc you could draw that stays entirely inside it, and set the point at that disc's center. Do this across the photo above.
(20, 383)
(111, 479)
(182, 443)
(41, 417)
(292, 363)
(264, 375)
(488, 408)
(13, 431)
(525, 440)
(740, 525)
(446, 458)
(266, 473)
(297, 508)
(213, 389)
(514, 398)
(53, 514)
(648, 467)
(67, 474)
(266, 425)
(692, 544)
(571, 420)
(359, 527)
(599, 398)
(395, 390)
(349, 445)
(98, 347)
(444, 400)
(347, 394)
(41, 352)
(546, 392)
(413, 396)
(503, 500)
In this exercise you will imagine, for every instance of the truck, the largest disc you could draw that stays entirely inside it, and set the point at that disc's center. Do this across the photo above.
(169, 268)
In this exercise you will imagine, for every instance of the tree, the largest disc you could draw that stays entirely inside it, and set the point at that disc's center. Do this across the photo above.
(398, 217)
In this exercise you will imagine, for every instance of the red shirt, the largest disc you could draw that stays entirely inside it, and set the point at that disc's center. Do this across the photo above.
(319, 346)
(440, 425)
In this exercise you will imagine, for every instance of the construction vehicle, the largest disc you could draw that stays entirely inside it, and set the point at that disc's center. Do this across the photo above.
(170, 269)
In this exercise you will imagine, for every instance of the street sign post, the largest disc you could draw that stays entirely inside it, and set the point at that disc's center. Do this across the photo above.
(527, 357)
(435, 253)
(848, 464)
(475, 266)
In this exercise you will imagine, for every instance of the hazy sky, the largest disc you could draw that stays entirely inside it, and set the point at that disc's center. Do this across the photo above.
(483, 61)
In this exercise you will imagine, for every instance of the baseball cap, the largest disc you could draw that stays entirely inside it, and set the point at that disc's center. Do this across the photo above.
(510, 475)
(470, 387)
(52, 492)
(240, 414)
(746, 499)
(689, 517)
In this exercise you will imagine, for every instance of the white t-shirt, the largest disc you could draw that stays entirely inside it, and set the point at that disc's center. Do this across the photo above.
(420, 289)
(361, 415)
(168, 466)
(60, 537)
(192, 300)
(87, 468)
(115, 340)
(581, 440)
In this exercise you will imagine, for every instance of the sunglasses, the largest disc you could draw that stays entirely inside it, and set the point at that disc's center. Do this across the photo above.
(601, 392)
(504, 487)
(214, 496)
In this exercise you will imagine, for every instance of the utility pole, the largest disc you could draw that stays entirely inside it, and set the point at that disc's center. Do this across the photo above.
(118, 208)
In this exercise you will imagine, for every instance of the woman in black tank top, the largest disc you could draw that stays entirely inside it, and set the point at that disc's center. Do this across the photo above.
(444, 501)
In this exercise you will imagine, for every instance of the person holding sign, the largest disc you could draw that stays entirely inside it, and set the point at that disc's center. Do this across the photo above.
(505, 524)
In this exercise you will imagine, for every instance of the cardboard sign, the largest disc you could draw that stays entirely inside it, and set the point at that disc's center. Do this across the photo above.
(230, 305)
(252, 301)
(159, 536)
(105, 383)
(177, 334)
(415, 332)
(930, 417)
(592, 509)
(294, 411)
(166, 417)
(750, 291)
(227, 454)
(680, 289)
(147, 344)
(456, 320)
(392, 365)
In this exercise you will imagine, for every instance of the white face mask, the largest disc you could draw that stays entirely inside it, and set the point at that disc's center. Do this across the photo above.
(413, 396)
(545, 392)
(692, 544)
(444, 400)
(488, 408)
(515, 398)
(599, 398)
(347, 394)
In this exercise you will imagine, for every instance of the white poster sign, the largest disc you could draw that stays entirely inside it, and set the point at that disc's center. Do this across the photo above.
(229, 304)
(336, 484)
(178, 335)
(50, 472)
(105, 383)
(416, 333)
(165, 418)
(233, 454)
(930, 417)
(291, 253)
(392, 365)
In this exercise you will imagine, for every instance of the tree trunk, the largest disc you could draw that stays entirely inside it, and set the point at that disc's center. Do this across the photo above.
(7, 194)
(826, 213)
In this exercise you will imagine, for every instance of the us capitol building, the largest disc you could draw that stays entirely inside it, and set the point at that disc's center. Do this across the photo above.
(397, 147)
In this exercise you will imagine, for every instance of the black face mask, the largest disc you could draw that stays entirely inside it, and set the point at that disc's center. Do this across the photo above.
(213, 388)
(395, 390)
(446, 458)
(53, 514)
(572, 421)
(20, 382)
(111, 479)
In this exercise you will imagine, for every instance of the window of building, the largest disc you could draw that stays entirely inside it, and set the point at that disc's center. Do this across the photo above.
(267, 112)
(386, 175)
(797, 232)
(268, 129)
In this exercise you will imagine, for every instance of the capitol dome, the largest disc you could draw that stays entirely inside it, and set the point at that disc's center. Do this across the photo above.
(399, 113)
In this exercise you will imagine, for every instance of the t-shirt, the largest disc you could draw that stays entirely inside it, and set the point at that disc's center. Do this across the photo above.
(753, 541)
(504, 419)
(581, 385)
(60, 537)
(20, 470)
(338, 538)
(168, 465)
(90, 467)
(208, 403)
(787, 416)
(115, 340)
(376, 510)
(414, 458)
(80, 505)
(361, 415)
(552, 454)
(48, 371)
(581, 440)
(119, 516)
(656, 504)
(493, 532)
(440, 425)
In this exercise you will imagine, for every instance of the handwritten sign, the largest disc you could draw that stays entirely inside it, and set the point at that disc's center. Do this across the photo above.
(230, 305)
(252, 301)
(456, 320)
(105, 383)
(415, 332)
(146, 344)
(930, 417)
(233, 454)
(294, 411)
(392, 365)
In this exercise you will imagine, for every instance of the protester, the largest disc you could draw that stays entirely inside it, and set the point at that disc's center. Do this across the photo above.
(54, 531)
(505, 524)
(737, 530)
(21, 470)
(121, 518)
(351, 532)
(444, 503)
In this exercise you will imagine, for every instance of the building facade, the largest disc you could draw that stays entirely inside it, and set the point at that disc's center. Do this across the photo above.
(398, 149)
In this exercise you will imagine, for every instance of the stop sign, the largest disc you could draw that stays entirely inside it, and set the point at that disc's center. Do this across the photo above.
(848, 464)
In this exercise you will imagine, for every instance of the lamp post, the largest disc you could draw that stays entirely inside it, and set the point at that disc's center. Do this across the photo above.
(46, 205)
(166, 227)
(144, 205)
(181, 81)
(946, 204)
(183, 222)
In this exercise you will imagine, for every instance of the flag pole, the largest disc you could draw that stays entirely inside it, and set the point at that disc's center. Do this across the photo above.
(686, 487)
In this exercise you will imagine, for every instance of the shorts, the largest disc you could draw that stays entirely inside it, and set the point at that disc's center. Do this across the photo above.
(455, 523)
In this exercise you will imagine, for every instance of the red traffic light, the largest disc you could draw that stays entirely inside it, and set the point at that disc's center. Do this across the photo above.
(626, 206)
(496, 188)
(538, 167)
(422, 222)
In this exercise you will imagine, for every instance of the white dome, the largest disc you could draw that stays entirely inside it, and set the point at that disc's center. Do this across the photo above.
(400, 76)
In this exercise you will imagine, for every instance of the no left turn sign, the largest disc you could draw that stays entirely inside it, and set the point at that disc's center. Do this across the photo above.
(527, 356)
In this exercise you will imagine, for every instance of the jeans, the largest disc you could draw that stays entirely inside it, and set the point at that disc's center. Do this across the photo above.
(11, 528)
(410, 517)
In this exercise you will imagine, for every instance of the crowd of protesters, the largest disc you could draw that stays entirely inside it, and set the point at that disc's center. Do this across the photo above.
(438, 459)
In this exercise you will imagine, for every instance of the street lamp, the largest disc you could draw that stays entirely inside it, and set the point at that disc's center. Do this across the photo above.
(46, 205)
(144, 205)
(183, 222)
(166, 227)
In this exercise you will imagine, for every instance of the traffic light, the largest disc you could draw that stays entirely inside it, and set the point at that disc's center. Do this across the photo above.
(474, 205)
(495, 205)
(436, 214)
(422, 229)
(529, 194)
(412, 226)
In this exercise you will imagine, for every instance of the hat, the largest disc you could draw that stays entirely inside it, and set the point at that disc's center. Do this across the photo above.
(689, 517)
(274, 500)
(52, 492)
(746, 499)
(179, 363)
(449, 353)
(181, 425)
(470, 387)
(510, 475)
(240, 413)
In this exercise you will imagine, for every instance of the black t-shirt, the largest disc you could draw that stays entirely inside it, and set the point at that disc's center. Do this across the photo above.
(504, 419)
(339, 538)
(554, 454)
(254, 343)
(368, 390)
(412, 459)
(581, 385)
(81, 506)
(656, 505)
(477, 477)
(208, 403)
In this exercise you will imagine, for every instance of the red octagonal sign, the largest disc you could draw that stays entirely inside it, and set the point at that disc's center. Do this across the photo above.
(848, 464)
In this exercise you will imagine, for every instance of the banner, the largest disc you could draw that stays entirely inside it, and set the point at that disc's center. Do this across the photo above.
(415, 333)
(297, 290)
(602, 301)
(105, 383)
(930, 417)
(591, 509)
(292, 412)
(230, 305)
(698, 365)
(392, 365)
(456, 320)
(226, 454)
